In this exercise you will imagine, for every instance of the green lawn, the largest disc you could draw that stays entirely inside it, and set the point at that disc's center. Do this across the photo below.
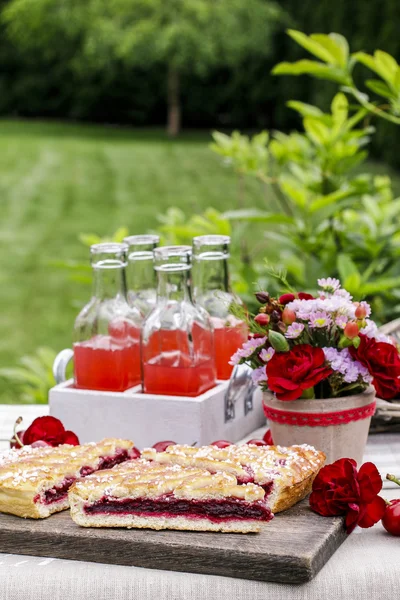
(59, 180)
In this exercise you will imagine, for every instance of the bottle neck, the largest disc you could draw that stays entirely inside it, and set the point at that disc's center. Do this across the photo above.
(211, 275)
(109, 282)
(174, 286)
(140, 274)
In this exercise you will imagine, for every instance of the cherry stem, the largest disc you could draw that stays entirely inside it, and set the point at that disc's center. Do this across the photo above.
(393, 478)
(16, 436)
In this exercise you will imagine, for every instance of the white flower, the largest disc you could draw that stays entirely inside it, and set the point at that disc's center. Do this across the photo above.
(330, 284)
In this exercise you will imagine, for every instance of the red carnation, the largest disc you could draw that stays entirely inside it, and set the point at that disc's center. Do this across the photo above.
(286, 298)
(339, 489)
(383, 362)
(290, 373)
(50, 430)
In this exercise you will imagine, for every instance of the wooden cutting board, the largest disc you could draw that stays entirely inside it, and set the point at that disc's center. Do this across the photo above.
(292, 548)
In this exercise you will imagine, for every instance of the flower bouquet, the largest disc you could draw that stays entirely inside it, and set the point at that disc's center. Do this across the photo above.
(319, 361)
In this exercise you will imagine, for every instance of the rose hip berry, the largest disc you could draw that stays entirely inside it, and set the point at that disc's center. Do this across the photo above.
(361, 312)
(288, 316)
(262, 319)
(351, 331)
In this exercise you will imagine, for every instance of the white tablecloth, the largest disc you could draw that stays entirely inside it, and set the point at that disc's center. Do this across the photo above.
(366, 566)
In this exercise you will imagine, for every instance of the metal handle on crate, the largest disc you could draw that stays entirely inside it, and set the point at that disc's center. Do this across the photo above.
(60, 364)
(240, 386)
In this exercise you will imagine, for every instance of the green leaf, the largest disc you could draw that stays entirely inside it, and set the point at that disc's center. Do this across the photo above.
(352, 283)
(343, 47)
(306, 110)
(382, 285)
(336, 45)
(346, 267)
(317, 131)
(386, 64)
(340, 109)
(314, 68)
(380, 88)
(366, 59)
(313, 46)
(328, 199)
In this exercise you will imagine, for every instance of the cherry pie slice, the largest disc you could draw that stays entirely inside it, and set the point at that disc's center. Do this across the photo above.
(142, 494)
(285, 473)
(34, 482)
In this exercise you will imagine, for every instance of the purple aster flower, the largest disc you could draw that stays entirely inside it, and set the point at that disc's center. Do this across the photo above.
(294, 331)
(342, 362)
(341, 321)
(247, 349)
(266, 355)
(320, 319)
(259, 375)
(367, 308)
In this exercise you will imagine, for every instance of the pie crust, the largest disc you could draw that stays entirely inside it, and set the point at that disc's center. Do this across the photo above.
(34, 482)
(286, 473)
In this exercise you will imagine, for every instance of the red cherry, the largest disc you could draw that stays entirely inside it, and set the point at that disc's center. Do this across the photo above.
(257, 442)
(13, 441)
(391, 518)
(162, 446)
(134, 453)
(221, 444)
(288, 316)
(268, 438)
(40, 444)
(262, 319)
(351, 331)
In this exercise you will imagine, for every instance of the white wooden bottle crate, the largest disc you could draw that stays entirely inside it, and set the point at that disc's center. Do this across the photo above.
(147, 418)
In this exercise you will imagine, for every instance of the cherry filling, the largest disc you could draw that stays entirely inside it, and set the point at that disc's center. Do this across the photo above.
(57, 493)
(169, 506)
(106, 462)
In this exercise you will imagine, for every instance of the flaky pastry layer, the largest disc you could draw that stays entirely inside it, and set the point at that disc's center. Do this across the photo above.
(287, 472)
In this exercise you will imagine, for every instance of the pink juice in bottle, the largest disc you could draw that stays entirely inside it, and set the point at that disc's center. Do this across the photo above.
(227, 340)
(102, 364)
(172, 371)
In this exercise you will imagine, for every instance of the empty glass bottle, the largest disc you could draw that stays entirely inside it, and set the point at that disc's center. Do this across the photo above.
(213, 292)
(140, 273)
(107, 330)
(177, 339)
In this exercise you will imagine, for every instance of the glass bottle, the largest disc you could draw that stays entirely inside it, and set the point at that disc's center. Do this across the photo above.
(177, 338)
(213, 292)
(140, 273)
(107, 330)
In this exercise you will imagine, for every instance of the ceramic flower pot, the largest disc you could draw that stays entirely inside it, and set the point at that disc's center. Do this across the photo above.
(337, 426)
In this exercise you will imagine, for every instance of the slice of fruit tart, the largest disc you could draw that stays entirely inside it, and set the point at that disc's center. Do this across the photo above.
(234, 489)
(34, 482)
